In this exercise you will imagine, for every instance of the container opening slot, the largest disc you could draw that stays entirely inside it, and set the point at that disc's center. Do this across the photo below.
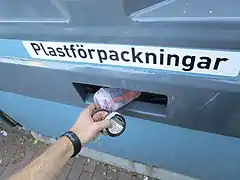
(85, 90)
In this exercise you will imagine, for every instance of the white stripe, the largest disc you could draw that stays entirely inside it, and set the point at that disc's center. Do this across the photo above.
(200, 61)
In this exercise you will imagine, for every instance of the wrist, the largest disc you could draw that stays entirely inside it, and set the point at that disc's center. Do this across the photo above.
(68, 146)
(74, 141)
(79, 135)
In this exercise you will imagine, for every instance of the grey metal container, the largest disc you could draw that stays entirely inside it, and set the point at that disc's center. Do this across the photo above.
(202, 102)
(45, 94)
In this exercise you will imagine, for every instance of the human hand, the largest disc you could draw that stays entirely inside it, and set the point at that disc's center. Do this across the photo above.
(86, 127)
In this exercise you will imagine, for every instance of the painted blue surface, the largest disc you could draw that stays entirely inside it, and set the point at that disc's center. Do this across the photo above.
(9, 45)
(193, 153)
(189, 152)
(196, 154)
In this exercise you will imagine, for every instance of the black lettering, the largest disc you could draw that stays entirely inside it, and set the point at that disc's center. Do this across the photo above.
(204, 64)
(73, 50)
(60, 52)
(123, 56)
(162, 56)
(82, 53)
(190, 65)
(90, 52)
(44, 49)
(136, 56)
(102, 55)
(35, 47)
(114, 55)
(218, 60)
(170, 56)
(154, 58)
(66, 50)
(51, 51)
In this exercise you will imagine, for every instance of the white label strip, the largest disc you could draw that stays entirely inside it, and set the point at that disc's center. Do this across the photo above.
(224, 63)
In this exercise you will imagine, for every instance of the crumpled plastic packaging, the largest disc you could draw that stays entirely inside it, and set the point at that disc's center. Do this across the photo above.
(112, 99)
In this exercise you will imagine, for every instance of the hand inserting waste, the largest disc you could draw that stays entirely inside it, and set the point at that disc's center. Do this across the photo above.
(87, 127)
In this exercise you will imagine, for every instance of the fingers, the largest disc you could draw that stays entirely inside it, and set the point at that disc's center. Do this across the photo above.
(100, 125)
(97, 106)
(92, 107)
(99, 116)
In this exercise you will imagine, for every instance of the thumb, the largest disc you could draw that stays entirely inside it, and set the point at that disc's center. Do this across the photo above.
(103, 124)
(91, 107)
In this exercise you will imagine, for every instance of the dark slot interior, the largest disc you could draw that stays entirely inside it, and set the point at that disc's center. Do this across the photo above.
(85, 89)
(153, 98)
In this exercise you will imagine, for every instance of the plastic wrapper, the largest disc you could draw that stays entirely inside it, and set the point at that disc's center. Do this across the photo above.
(112, 99)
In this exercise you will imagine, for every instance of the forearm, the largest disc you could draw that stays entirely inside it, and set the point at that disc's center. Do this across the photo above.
(54, 158)
(49, 163)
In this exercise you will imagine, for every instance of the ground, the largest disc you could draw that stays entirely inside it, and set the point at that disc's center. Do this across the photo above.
(18, 149)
